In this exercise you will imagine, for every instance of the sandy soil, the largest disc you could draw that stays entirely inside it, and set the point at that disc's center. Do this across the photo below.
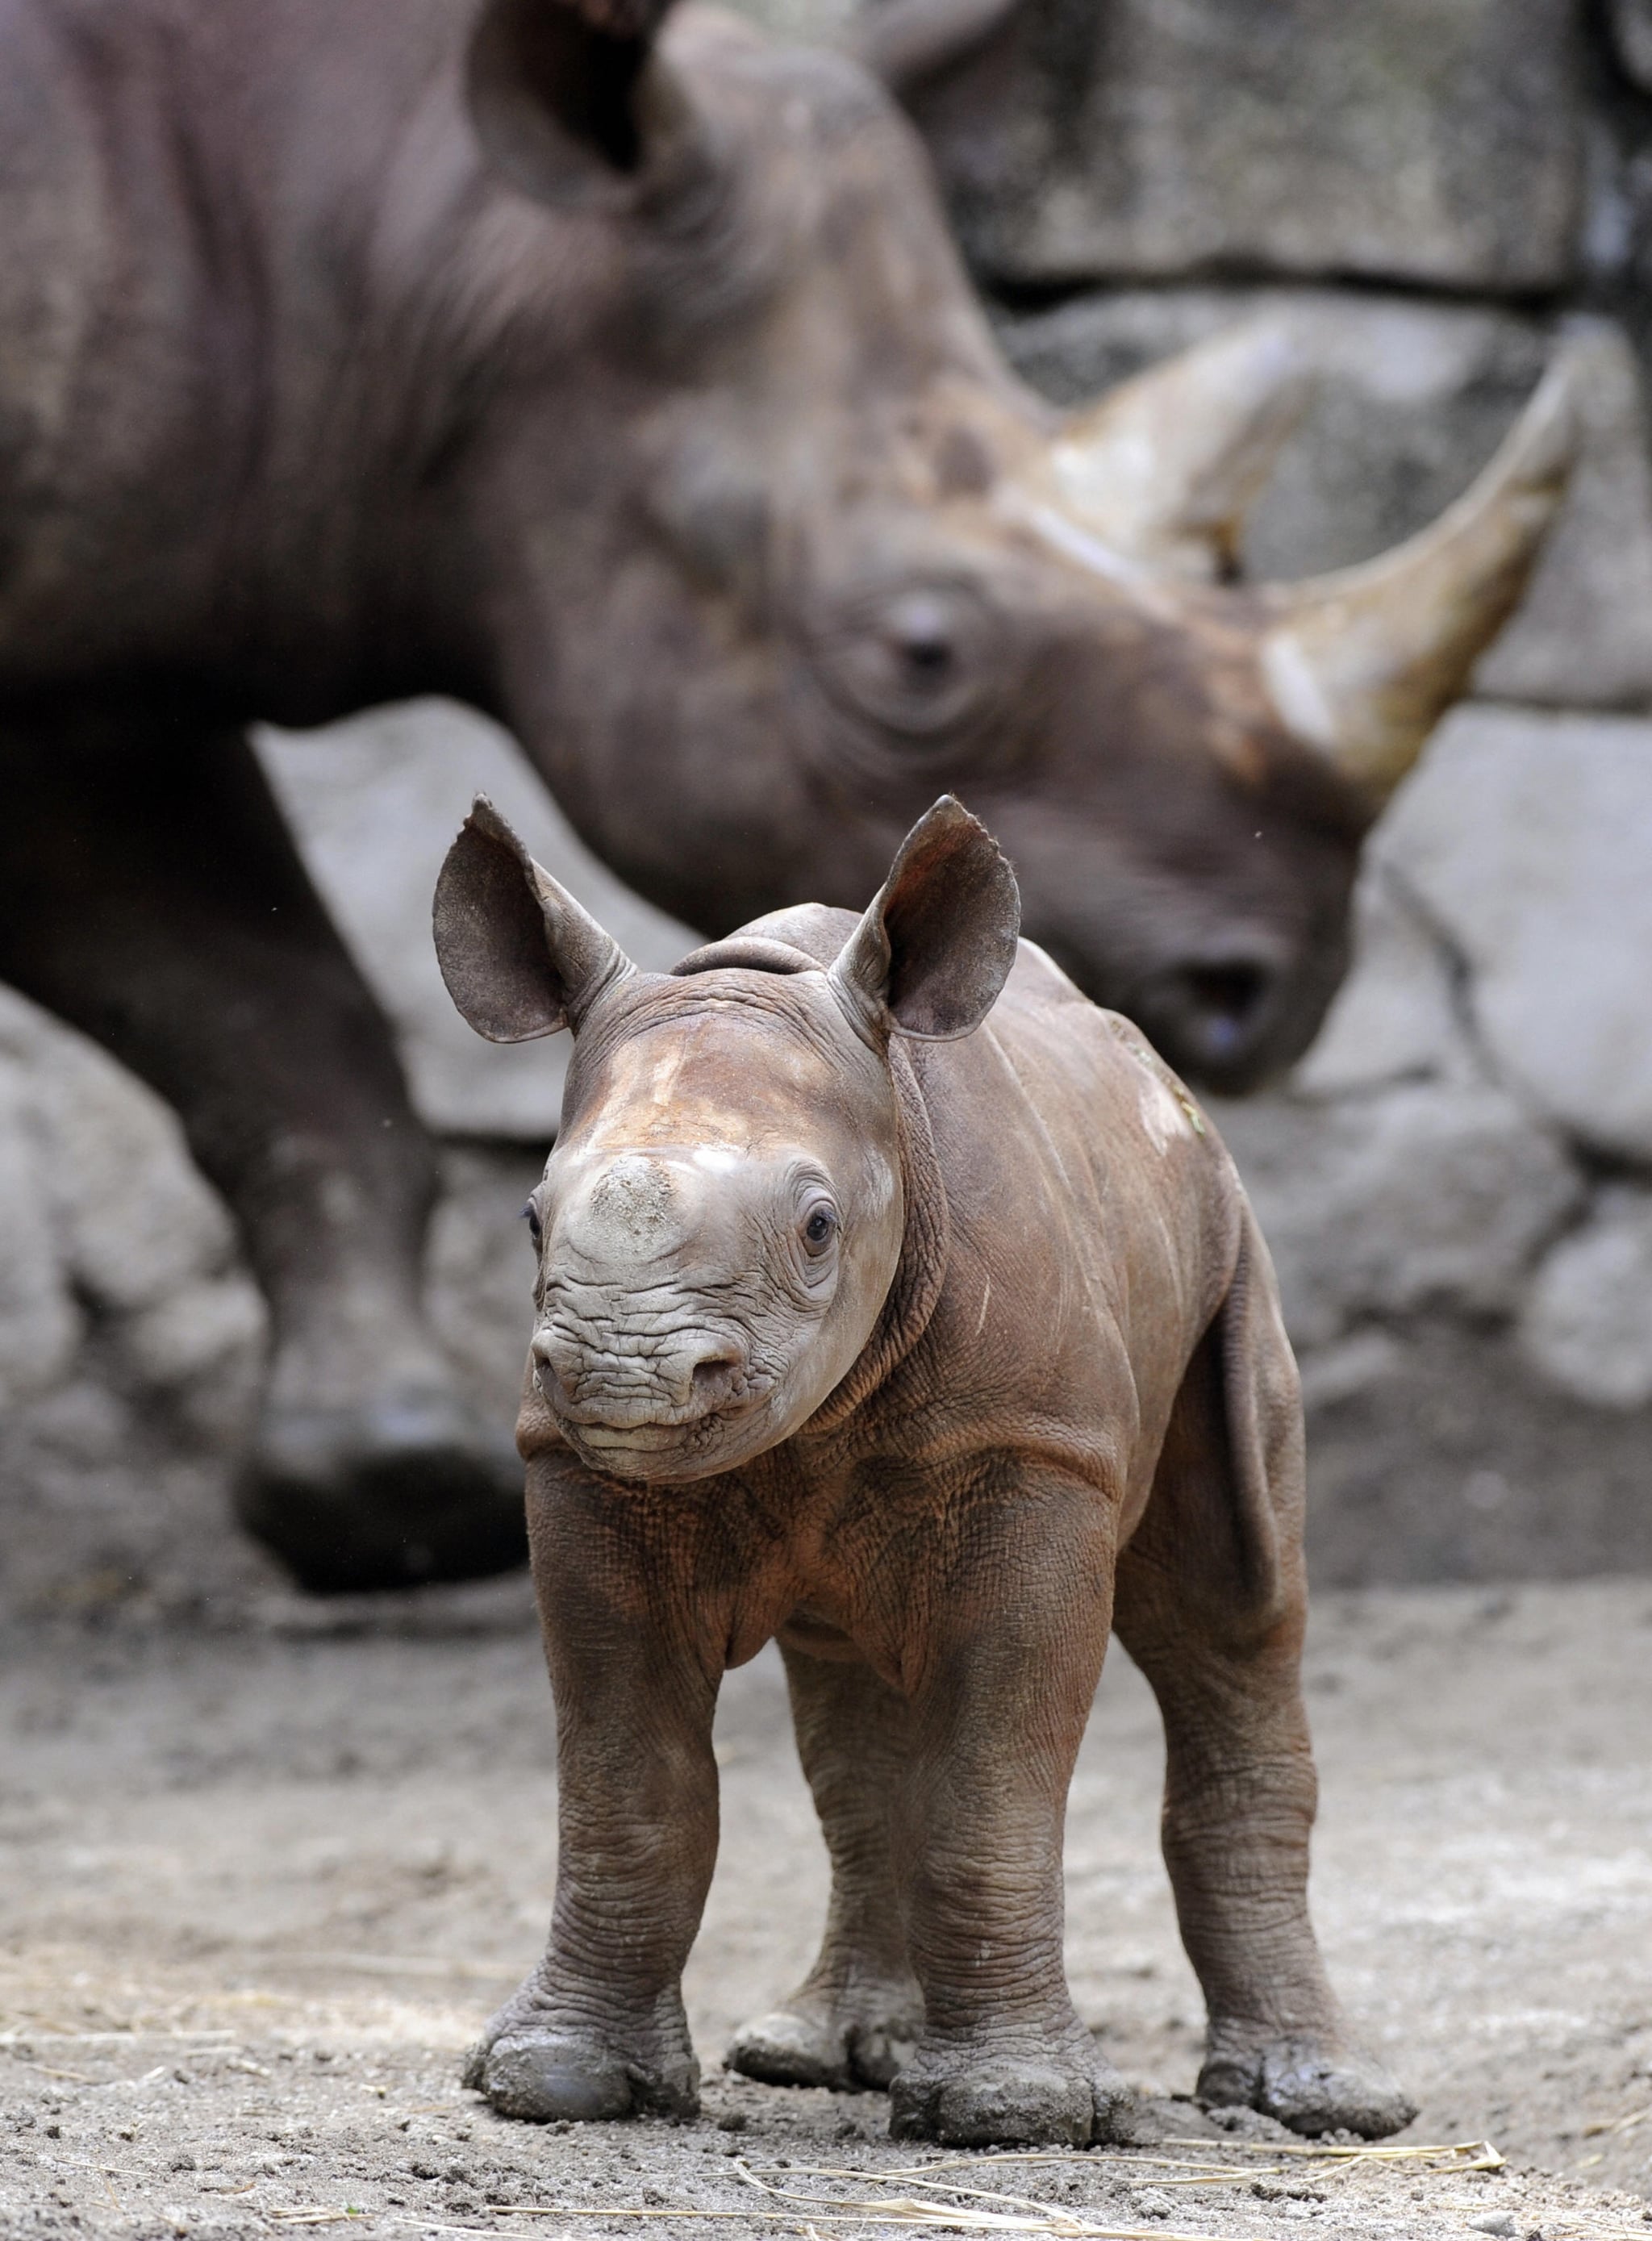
(264, 1884)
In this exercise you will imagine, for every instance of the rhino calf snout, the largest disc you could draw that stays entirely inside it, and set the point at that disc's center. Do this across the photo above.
(597, 1381)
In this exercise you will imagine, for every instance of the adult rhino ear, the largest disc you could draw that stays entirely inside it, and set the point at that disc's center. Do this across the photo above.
(520, 957)
(573, 103)
(938, 940)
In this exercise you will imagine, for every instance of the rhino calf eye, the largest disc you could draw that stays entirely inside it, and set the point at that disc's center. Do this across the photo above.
(530, 1216)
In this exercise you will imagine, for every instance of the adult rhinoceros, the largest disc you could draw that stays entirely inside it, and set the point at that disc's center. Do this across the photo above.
(353, 349)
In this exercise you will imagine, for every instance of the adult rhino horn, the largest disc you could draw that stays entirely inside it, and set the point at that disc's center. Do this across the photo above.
(1163, 467)
(907, 43)
(1361, 663)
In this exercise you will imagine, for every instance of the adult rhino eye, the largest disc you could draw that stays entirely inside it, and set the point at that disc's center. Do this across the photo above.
(819, 1227)
(530, 1216)
(920, 661)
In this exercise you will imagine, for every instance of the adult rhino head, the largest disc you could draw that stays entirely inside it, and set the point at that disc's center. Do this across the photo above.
(828, 557)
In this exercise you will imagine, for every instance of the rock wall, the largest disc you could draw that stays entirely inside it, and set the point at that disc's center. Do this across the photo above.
(1457, 1182)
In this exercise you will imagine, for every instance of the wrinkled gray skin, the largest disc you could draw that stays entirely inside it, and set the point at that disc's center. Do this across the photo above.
(933, 1349)
(637, 398)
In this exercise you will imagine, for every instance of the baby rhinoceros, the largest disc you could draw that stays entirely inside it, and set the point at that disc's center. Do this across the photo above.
(896, 1302)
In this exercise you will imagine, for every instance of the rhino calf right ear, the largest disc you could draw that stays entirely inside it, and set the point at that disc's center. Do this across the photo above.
(937, 941)
(520, 957)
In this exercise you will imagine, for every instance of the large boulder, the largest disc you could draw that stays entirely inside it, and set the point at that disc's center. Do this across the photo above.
(1524, 838)
(376, 802)
(109, 1229)
(40, 1321)
(1588, 1322)
(1422, 141)
(1432, 1196)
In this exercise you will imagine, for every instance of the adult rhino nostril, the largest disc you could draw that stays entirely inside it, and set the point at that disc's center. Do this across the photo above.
(1227, 999)
(1216, 1016)
(715, 1377)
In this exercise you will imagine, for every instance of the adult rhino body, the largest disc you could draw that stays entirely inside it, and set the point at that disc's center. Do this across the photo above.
(631, 391)
(933, 1347)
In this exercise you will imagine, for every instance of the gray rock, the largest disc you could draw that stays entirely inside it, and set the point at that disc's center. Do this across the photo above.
(108, 1223)
(40, 1323)
(1587, 1322)
(135, 1220)
(1334, 1374)
(1412, 399)
(1631, 22)
(480, 1266)
(375, 803)
(1415, 141)
(1526, 838)
(1395, 1017)
(1583, 637)
(807, 22)
(1427, 1195)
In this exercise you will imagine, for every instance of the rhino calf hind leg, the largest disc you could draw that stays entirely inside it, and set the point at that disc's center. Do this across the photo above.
(1211, 1603)
(858, 2013)
(1003, 1690)
(155, 900)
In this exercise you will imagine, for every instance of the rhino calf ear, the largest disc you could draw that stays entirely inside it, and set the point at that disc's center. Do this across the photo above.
(520, 957)
(938, 940)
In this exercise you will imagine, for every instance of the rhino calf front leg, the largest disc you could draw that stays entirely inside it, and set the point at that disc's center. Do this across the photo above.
(858, 2013)
(999, 1713)
(599, 2029)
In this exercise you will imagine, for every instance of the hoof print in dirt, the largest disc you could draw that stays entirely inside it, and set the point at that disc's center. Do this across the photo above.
(789, 2046)
(1309, 2090)
(1010, 2104)
(550, 2078)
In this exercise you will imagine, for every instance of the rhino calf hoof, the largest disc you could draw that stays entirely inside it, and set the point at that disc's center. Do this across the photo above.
(1010, 2104)
(792, 2046)
(392, 1493)
(541, 2079)
(1310, 2090)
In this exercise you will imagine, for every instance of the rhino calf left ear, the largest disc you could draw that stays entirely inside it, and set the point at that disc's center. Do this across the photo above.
(938, 940)
(520, 957)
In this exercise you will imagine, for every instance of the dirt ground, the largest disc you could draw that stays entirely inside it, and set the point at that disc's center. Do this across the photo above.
(262, 1883)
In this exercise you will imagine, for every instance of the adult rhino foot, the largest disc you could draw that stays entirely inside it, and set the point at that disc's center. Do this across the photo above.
(531, 2065)
(1046, 2098)
(855, 2041)
(406, 1488)
(1309, 2088)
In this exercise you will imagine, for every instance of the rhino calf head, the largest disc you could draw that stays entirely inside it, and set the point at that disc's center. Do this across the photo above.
(722, 1220)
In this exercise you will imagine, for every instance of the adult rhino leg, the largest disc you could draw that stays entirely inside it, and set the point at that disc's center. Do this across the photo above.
(155, 900)
(598, 2029)
(857, 2015)
(1003, 1685)
(1211, 1605)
